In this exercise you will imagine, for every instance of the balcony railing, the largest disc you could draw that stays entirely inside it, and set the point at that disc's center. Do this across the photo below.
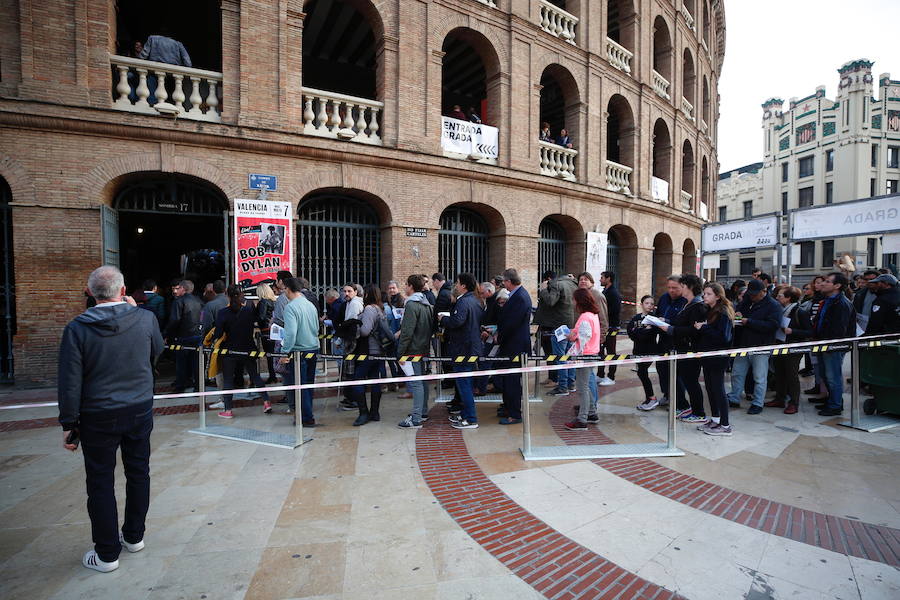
(688, 17)
(661, 85)
(332, 115)
(687, 201)
(618, 56)
(490, 3)
(557, 161)
(149, 87)
(558, 22)
(618, 177)
(687, 108)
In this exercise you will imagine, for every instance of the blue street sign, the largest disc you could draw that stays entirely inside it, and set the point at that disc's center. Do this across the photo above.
(262, 182)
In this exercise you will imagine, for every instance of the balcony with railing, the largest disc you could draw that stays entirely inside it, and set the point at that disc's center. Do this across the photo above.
(687, 108)
(661, 85)
(688, 18)
(337, 116)
(618, 56)
(618, 177)
(558, 22)
(490, 3)
(557, 161)
(687, 201)
(155, 88)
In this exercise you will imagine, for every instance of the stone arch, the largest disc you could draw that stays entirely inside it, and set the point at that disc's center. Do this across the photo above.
(689, 78)
(564, 111)
(661, 266)
(359, 184)
(495, 235)
(621, 131)
(456, 21)
(574, 238)
(688, 165)
(662, 49)
(625, 241)
(689, 256)
(490, 63)
(662, 153)
(18, 179)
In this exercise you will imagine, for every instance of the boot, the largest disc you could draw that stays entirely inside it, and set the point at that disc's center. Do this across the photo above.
(363, 417)
(373, 409)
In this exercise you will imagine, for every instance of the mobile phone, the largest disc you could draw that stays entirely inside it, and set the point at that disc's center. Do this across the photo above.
(72, 438)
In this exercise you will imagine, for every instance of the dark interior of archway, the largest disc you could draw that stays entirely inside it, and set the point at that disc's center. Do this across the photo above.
(463, 77)
(553, 103)
(338, 49)
(558, 3)
(613, 132)
(613, 25)
(7, 286)
(196, 24)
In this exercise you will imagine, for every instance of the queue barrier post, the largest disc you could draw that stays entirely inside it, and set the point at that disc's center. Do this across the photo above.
(298, 398)
(673, 403)
(526, 406)
(201, 384)
(854, 385)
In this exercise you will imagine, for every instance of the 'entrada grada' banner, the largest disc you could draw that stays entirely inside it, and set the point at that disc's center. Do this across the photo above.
(469, 139)
(262, 241)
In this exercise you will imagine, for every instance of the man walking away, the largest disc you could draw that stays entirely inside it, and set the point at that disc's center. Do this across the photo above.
(415, 340)
(514, 333)
(556, 308)
(184, 328)
(108, 407)
(836, 319)
(614, 310)
(301, 334)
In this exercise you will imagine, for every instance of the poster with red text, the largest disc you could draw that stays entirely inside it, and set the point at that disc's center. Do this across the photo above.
(262, 241)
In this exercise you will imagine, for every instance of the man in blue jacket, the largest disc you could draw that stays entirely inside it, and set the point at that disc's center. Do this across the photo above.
(836, 319)
(761, 318)
(514, 333)
(670, 304)
(464, 329)
(105, 393)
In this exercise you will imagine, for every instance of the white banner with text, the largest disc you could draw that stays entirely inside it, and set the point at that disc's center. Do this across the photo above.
(878, 215)
(753, 233)
(471, 139)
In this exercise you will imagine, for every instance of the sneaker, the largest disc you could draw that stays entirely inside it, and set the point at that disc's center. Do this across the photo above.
(558, 391)
(572, 389)
(342, 405)
(92, 561)
(455, 418)
(463, 424)
(576, 425)
(267, 407)
(594, 418)
(706, 426)
(664, 402)
(218, 404)
(754, 409)
(692, 418)
(649, 404)
(408, 423)
(606, 381)
(684, 412)
(226, 414)
(131, 547)
(718, 430)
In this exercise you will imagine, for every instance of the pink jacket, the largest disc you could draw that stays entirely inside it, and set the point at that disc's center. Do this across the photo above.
(587, 334)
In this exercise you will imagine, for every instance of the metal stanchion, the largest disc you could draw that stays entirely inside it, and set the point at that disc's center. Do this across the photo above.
(673, 402)
(854, 385)
(201, 384)
(526, 408)
(298, 399)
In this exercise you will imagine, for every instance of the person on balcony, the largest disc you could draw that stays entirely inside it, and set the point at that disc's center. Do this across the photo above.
(457, 113)
(474, 117)
(564, 140)
(161, 48)
(545, 135)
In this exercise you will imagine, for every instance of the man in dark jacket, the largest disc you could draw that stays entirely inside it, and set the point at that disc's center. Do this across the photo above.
(835, 319)
(670, 304)
(155, 303)
(108, 407)
(885, 316)
(514, 338)
(556, 308)
(414, 339)
(210, 310)
(183, 328)
(614, 309)
(761, 318)
(464, 329)
(865, 297)
(443, 295)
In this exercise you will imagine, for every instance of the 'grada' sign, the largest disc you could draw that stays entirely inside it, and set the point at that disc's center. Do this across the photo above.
(866, 217)
(755, 233)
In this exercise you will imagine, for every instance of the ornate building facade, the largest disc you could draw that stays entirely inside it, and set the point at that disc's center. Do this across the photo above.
(109, 157)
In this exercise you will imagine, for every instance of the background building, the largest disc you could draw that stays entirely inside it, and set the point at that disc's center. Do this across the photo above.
(107, 157)
(819, 152)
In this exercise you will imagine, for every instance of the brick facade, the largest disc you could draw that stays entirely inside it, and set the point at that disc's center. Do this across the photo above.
(64, 149)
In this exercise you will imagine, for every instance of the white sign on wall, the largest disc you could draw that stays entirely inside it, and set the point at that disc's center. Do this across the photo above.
(755, 233)
(795, 254)
(659, 188)
(710, 261)
(470, 139)
(596, 253)
(890, 243)
(878, 215)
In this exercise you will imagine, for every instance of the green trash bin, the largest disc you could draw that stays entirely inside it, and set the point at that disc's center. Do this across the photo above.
(879, 367)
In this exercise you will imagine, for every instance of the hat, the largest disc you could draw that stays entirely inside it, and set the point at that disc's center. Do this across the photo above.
(886, 278)
(755, 286)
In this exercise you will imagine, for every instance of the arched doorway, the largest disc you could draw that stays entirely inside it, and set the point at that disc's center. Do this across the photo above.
(463, 244)
(662, 162)
(689, 257)
(662, 57)
(688, 83)
(621, 22)
(662, 263)
(551, 248)
(687, 176)
(7, 286)
(469, 76)
(559, 112)
(620, 145)
(338, 241)
(169, 227)
(621, 259)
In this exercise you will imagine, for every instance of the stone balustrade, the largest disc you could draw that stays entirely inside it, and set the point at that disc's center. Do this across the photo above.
(618, 177)
(618, 56)
(490, 3)
(558, 22)
(687, 201)
(149, 87)
(557, 161)
(687, 108)
(688, 18)
(661, 85)
(333, 115)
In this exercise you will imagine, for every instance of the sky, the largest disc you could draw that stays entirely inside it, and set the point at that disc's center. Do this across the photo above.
(784, 49)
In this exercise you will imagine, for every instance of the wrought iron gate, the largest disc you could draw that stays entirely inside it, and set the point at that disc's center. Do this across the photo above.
(463, 244)
(7, 286)
(551, 248)
(338, 242)
(612, 254)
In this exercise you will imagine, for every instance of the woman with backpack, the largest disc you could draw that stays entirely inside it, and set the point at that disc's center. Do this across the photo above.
(371, 339)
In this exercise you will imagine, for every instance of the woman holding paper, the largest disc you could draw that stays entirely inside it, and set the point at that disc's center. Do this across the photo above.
(644, 338)
(796, 327)
(587, 336)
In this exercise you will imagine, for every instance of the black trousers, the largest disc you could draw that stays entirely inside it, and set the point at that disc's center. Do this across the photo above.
(102, 434)
(787, 377)
(714, 380)
(662, 369)
(688, 377)
(609, 347)
(512, 391)
(643, 368)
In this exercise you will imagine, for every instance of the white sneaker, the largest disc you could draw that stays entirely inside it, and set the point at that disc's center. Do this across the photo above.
(606, 381)
(648, 405)
(92, 561)
(131, 547)
(218, 404)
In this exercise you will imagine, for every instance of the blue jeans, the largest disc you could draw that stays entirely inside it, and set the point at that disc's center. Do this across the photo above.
(307, 375)
(464, 387)
(832, 363)
(186, 363)
(739, 370)
(565, 378)
(419, 391)
(102, 434)
(594, 388)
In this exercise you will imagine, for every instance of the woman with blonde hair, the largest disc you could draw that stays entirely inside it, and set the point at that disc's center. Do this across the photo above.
(715, 334)
(265, 306)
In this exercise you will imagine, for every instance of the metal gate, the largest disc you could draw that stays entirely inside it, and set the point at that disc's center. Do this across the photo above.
(338, 242)
(169, 196)
(463, 244)
(551, 248)
(612, 254)
(7, 286)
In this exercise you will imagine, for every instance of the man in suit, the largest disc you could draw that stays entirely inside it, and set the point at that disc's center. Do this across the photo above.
(514, 335)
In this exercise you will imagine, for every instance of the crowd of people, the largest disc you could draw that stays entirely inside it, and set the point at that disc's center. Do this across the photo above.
(563, 139)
